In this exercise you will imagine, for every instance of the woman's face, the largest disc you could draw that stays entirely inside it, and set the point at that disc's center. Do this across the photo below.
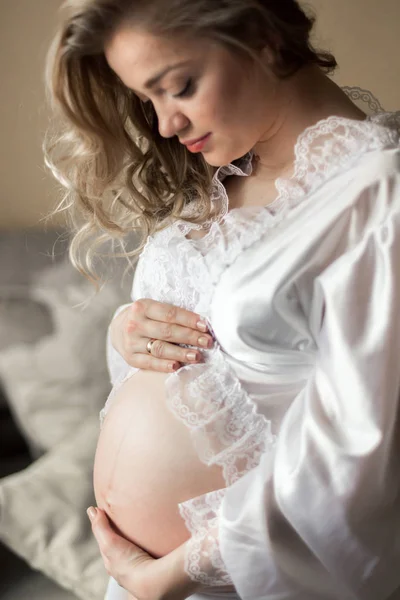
(214, 102)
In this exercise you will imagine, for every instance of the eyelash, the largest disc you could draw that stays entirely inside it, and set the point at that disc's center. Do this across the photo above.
(187, 90)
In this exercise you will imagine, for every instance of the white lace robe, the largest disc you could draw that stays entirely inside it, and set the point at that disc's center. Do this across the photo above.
(303, 297)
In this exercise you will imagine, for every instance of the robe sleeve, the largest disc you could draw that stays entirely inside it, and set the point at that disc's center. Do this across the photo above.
(320, 517)
(117, 366)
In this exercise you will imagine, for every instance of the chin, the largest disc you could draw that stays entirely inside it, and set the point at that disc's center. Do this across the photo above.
(219, 159)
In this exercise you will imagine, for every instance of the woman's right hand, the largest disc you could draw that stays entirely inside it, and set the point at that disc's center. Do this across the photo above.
(167, 325)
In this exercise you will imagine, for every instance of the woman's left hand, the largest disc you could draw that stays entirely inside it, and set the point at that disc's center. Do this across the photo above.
(143, 576)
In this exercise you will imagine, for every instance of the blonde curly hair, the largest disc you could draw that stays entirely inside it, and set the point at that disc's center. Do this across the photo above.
(119, 174)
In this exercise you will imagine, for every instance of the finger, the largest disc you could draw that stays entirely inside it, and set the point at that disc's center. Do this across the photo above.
(147, 362)
(175, 334)
(119, 555)
(167, 351)
(167, 313)
(108, 540)
(144, 330)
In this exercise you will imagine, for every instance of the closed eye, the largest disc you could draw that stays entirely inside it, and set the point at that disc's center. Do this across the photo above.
(187, 90)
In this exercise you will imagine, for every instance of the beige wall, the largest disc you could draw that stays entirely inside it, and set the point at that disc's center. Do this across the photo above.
(364, 35)
(26, 192)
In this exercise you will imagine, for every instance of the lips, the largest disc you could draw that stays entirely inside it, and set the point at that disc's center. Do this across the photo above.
(196, 145)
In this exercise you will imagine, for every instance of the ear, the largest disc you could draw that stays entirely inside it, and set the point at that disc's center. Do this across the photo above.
(268, 55)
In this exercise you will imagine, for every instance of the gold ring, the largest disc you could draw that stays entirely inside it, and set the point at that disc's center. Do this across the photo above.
(149, 345)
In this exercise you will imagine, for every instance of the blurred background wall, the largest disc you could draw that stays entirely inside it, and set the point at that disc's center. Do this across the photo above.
(26, 191)
(363, 34)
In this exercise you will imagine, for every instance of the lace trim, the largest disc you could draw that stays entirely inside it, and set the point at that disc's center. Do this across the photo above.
(320, 151)
(118, 383)
(210, 402)
(240, 230)
(226, 430)
(357, 94)
(223, 420)
(218, 195)
(333, 144)
(218, 191)
(201, 516)
(209, 398)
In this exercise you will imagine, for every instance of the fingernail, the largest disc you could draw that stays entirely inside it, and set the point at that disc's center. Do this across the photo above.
(91, 513)
(191, 356)
(202, 325)
(173, 366)
(205, 342)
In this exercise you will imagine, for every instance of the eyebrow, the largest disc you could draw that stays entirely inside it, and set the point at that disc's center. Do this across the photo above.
(151, 82)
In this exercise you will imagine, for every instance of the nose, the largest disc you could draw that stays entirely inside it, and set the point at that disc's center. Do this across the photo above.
(170, 123)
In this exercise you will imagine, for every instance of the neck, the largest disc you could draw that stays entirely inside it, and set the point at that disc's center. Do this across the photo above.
(301, 101)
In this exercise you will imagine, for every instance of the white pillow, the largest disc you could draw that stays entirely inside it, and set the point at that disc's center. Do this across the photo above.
(23, 320)
(56, 389)
(62, 379)
(43, 514)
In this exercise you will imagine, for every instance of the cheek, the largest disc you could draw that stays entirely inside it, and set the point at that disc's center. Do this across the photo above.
(210, 112)
(235, 102)
(217, 111)
(226, 107)
(216, 105)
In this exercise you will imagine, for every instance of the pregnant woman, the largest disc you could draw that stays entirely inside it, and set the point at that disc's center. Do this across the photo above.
(261, 467)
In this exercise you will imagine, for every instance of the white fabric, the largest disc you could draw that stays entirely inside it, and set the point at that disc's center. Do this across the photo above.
(320, 517)
(116, 592)
(235, 402)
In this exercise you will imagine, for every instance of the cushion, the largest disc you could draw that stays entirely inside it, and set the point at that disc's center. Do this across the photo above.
(22, 255)
(43, 514)
(55, 383)
(56, 386)
(23, 320)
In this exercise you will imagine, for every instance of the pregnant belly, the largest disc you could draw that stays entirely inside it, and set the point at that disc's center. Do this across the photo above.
(146, 464)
